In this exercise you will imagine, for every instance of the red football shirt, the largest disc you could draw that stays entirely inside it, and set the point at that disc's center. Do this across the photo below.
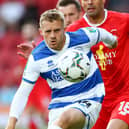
(113, 63)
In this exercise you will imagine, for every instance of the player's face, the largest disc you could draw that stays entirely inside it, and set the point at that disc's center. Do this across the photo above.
(71, 13)
(93, 8)
(53, 33)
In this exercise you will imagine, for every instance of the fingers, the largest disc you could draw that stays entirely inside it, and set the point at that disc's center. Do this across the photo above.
(33, 43)
(25, 49)
(115, 44)
(25, 46)
(112, 46)
(24, 52)
(22, 55)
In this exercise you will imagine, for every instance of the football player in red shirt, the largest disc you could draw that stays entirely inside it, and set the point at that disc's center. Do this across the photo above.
(114, 64)
(71, 10)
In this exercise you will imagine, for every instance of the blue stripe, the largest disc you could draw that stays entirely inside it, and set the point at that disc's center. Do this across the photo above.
(29, 81)
(58, 105)
(98, 36)
(42, 51)
(53, 75)
(89, 54)
(78, 37)
(80, 87)
(97, 99)
(63, 104)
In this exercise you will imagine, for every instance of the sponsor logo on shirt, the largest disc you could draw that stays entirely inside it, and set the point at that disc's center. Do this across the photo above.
(56, 76)
(104, 58)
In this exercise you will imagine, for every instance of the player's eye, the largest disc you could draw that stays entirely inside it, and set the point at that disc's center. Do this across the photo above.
(57, 30)
(48, 31)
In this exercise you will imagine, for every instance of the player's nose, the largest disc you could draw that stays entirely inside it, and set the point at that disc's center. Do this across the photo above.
(52, 34)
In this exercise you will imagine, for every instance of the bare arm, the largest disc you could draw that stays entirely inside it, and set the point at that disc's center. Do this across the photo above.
(11, 123)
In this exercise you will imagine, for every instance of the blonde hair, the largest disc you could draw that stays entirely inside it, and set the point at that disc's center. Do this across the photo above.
(51, 15)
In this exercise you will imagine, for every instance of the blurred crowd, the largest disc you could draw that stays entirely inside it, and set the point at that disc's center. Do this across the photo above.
(13, 15)
(119, 5)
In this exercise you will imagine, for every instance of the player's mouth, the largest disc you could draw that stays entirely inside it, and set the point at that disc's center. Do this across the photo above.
(53, 42)
(91, 9)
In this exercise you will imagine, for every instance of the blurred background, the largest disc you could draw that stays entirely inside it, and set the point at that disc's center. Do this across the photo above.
(13, 15)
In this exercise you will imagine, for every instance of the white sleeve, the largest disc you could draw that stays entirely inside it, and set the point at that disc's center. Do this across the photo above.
(93, 35)
(20, 99)
(106, 37)
(98, 34)
(32, 70)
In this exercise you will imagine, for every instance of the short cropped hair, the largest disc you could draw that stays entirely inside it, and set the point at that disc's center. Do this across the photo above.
(63, 3)
(51, 15)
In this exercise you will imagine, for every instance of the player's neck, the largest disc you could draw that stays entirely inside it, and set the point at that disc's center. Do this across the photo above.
(97, 20)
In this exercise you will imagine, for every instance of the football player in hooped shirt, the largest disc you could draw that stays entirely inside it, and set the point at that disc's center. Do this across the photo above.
(74, 105)
(114, 64)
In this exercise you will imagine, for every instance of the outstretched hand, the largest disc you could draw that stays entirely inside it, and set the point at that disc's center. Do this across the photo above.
(112, 46)
(25, 49)
(115, 44)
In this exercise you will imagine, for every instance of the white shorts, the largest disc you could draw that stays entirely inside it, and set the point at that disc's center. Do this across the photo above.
(89, 108)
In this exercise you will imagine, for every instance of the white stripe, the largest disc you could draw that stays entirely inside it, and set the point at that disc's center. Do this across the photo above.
(99, 90)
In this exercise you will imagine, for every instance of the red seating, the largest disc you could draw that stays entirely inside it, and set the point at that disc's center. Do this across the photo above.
(9, 61)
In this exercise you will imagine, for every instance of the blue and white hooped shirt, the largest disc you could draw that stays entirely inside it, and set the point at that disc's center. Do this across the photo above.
(43, 62)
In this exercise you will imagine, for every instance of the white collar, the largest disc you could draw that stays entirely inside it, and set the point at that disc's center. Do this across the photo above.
(95, 25)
